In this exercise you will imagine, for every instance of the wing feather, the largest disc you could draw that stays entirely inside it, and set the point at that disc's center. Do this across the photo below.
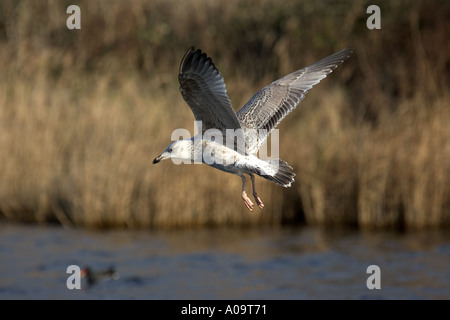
(204, 90)
(269, 106)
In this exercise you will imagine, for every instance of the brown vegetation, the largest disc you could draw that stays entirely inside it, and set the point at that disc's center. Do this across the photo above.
(84, 112)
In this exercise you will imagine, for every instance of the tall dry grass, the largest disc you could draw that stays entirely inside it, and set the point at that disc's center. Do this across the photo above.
(83, 113)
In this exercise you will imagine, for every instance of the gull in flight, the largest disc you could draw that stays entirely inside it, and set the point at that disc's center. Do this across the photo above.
(203, 88)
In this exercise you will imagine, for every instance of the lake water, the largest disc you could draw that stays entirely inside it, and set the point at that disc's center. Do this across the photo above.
(285, 263)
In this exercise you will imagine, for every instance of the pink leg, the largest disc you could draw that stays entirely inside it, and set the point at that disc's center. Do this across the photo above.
(255, 195)
(248, 203)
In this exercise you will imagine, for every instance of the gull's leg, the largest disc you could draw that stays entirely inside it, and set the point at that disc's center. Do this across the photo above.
(255, 195)
(248, 203)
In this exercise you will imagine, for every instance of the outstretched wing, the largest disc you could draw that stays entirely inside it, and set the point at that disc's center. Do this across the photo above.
(273, 103)
(203, 88)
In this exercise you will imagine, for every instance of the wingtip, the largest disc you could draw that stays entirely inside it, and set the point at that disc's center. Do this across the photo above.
(190, 50)
(332, 61)
(347, 52)
(187, 55)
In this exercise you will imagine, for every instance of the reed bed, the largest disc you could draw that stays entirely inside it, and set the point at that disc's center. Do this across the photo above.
(84, 112)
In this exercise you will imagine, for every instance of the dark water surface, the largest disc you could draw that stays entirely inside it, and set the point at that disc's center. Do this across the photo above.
(300, 263)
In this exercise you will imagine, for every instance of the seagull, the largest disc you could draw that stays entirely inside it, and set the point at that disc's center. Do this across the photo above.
(203, 88)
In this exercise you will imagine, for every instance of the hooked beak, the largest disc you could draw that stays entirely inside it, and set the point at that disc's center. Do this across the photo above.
(157, 159)
(162, 156)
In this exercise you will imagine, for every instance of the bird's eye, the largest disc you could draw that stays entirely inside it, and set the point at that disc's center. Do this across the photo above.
(170, 149)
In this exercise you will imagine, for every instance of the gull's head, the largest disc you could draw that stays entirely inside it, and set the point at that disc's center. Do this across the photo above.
(181, 149)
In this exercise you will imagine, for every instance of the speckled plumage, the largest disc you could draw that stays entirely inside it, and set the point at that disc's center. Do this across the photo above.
(204, 90)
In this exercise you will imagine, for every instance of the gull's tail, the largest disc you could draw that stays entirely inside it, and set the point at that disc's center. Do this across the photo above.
(278, 171)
